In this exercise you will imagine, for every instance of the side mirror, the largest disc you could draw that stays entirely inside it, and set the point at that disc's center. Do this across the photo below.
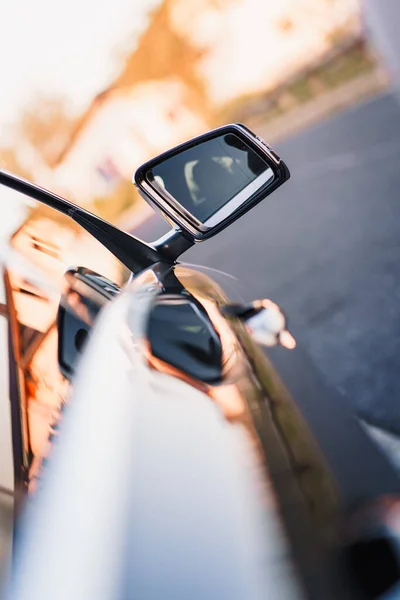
(85, 293)
(208, 182)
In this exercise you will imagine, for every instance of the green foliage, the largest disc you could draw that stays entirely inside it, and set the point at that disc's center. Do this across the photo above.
(346, 67)
(302, 90)
(337, 71)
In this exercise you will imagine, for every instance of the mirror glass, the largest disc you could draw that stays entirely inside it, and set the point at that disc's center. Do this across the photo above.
(213, 178)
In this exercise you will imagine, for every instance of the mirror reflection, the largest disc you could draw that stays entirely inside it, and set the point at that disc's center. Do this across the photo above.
(214, 178)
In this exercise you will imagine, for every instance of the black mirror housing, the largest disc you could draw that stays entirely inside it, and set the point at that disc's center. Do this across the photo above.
(205, 184)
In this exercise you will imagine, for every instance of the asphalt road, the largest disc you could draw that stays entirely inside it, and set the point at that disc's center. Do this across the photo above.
(326, 247)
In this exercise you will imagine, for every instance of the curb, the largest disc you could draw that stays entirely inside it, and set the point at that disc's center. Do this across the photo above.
(298, 119)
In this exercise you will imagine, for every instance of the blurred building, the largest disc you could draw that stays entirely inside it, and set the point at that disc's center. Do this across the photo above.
(123, 128)
(194, 58)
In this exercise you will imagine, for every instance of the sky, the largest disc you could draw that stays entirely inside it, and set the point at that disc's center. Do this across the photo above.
(63, 48)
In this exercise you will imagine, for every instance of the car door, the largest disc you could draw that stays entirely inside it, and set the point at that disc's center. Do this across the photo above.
(36, 250)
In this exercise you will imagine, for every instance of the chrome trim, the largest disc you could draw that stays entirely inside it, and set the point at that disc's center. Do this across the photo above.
(237, 201)
(164, 192)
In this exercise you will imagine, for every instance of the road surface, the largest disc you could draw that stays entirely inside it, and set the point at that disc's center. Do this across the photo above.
(326, 247)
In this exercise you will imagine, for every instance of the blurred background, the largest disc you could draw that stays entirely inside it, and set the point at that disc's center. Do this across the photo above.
(89, 97)
(91, 91)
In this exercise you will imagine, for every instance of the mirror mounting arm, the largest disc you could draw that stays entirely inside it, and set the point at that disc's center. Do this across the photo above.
(132, 252)
(172, 244)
